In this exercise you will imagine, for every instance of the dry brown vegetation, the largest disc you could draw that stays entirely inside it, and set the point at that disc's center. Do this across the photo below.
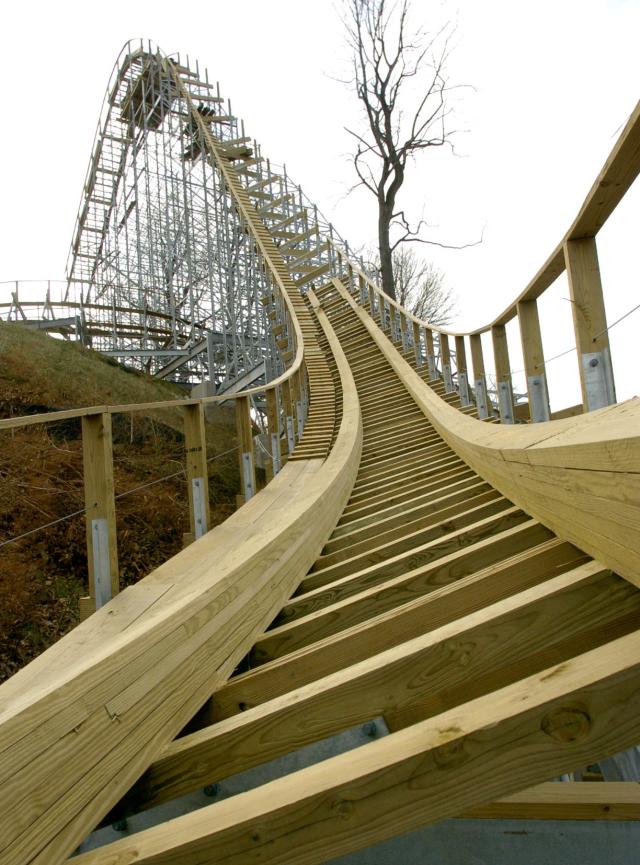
(43, 575)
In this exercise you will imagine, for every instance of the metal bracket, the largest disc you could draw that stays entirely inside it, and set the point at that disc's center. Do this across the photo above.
(101, 561)
(291, 439)
(300, 415)
(276, 457)
(247, 471)
(538, 399)
(598, 379)
(505, 402)
(482, 406)
(199, 508)
(431, 363)
(463, 388)
(448, 380)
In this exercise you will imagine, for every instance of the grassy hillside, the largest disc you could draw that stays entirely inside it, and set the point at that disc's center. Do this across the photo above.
(43, 575)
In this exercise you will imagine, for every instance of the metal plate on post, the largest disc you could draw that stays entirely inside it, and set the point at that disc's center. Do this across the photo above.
(505, 402)
(463, 387)
(598, 379)
(538, 399)
(101, 562)
(291, 439)
(431, 363)
(300, 414)
(481, 399)
(448, 380)
(247, 471)
(199, 509)
(276, 459)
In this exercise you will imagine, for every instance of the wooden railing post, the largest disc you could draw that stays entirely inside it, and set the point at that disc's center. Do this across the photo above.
(479, 378)
(296, 397)
(404, 331)
(393, 323)
(445, 360)
(195, 445)
(503, 373)
(288, 415)
(273, 421)
(372, 301)
(99, 498)
(431, 354)
(461, 365)
(589, 323)
(416, 343)
(245, 444)
(533, 355)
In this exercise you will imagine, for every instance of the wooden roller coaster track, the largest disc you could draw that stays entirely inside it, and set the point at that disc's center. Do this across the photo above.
(475, 584)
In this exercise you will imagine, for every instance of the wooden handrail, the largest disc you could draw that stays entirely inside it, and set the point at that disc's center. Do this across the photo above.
(578, 476)
(83, 720)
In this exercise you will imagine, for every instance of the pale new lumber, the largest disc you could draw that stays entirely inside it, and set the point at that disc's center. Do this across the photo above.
(585, 708)
(502, 575)
(607, 440)
(85, 719)
(571, 800)
(467, 658)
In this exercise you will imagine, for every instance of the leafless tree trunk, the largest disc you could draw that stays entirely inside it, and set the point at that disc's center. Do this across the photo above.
(399, 77)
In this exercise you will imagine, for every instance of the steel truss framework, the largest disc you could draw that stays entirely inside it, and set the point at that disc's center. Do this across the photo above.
(161, 267)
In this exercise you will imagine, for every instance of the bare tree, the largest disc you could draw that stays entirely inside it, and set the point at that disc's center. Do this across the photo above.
(399, 77)
(420, 287)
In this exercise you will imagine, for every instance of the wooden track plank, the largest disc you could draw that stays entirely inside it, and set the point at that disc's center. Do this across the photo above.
(584, 708)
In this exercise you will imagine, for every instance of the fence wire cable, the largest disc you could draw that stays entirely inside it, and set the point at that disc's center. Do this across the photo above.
(573, 347)
(119, 496)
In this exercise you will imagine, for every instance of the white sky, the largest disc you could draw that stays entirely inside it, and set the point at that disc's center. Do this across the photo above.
(553, 83)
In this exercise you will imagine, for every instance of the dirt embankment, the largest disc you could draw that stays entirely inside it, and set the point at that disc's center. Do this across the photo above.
(43, 574)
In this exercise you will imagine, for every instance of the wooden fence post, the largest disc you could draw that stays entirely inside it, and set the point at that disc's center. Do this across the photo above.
(245, 447)
(445, 360)
(589, 323)
(99, 498)
(416, 343)
(431, 354)
(195, 446)
(273, 422)
(461, 365)
(479, 378)
(503, 373)
(533, 355)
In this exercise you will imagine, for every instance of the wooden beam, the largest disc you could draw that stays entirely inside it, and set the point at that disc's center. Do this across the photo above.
(589, 323)
(571, 800)
(503, 373)
(100, 510)
(463, 660)
(534, 365)
(493, 746)
(195, 445)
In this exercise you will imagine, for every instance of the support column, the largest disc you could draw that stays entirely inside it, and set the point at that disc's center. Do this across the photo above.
(479, 378)
(503, 373)
(273, 421)
(99, 499)
(461, 364)
(589, 323)
(195, 446)
(245, 447)
(533, 355)
(416, 343)
(431, 354)
(445, 360)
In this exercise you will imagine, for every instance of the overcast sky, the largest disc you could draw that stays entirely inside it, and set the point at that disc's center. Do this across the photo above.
(552, 84)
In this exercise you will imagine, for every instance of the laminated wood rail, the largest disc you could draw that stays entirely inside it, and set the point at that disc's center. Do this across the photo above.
(475, 585)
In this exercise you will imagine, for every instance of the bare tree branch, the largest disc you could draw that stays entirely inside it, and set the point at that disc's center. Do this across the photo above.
(399, 76)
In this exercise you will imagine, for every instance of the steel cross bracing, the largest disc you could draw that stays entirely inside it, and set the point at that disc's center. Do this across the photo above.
(161, 262)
